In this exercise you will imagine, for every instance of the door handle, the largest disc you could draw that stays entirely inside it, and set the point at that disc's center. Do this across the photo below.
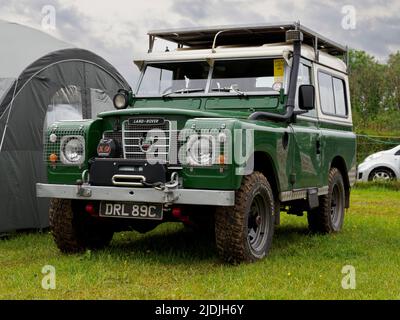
(318, 146)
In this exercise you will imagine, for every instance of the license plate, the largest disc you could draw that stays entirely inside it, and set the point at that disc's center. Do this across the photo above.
(131, 210)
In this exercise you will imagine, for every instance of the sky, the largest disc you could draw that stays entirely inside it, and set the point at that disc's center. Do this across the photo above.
(117, 29)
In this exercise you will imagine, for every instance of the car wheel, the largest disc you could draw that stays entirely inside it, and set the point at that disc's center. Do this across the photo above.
(244, 232)
(329, 215)
(381, 174)
(73, 230)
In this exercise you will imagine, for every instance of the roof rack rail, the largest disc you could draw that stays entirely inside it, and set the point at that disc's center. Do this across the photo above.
(249, 34)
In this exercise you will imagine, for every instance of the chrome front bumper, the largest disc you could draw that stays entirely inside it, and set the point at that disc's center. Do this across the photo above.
(150, 195)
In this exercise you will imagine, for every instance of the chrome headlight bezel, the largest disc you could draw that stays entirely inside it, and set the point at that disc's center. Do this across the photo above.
(79, 149)
(201, 150)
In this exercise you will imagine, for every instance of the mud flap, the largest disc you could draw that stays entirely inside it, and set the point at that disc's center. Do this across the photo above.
(312, 196)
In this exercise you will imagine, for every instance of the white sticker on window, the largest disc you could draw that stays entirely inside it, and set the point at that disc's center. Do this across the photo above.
(264, 82)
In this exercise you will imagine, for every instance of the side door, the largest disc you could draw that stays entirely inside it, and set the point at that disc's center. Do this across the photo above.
(307, 151)
(334, 114)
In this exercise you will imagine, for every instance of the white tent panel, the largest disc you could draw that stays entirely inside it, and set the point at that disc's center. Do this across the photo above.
(21, 45)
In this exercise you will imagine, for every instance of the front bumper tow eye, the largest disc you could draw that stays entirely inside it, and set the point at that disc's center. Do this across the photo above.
(82, 185)
(168, 188)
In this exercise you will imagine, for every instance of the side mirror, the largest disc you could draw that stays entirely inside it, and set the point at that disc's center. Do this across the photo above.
(306, 97)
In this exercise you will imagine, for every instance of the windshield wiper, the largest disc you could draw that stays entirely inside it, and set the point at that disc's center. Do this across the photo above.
(229, 89)
(184, 90)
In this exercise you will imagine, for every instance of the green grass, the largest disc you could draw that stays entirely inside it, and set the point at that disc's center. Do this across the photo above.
(379, 185)
(171, 263)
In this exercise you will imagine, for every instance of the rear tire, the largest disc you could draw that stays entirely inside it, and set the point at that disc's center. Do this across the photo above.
(329, 215)
(244, 232)
(75, 231)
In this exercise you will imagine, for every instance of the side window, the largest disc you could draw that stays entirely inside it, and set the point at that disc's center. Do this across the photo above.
(305, 74)
(304, 77)
(340, 97)
(397, 153)
(326, 93)
(332, 95)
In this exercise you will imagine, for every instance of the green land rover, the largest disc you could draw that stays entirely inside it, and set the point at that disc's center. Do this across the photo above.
(227, 131)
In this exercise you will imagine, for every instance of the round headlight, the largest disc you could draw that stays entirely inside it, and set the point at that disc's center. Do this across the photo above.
(200, 150)
(121, 99)
(72, 150)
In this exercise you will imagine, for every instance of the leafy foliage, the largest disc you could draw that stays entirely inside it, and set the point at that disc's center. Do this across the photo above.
(375, 93)
(375, 100)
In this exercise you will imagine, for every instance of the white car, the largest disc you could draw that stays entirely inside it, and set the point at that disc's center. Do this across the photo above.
(383, 165)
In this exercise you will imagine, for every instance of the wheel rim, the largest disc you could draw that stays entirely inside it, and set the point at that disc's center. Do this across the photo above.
(336, 205)
(258, 224)
(381, 176)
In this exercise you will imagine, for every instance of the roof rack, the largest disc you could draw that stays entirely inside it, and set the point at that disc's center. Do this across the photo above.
(245, 35)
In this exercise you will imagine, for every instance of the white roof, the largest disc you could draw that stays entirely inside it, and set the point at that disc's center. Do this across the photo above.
(227, 52)
(21, 45)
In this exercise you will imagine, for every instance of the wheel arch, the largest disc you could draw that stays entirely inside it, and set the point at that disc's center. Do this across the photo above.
(386, 167)
(339, 163)
(263, 162)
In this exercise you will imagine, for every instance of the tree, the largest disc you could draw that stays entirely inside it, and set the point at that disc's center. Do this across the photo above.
(392, 82)
(366, 86)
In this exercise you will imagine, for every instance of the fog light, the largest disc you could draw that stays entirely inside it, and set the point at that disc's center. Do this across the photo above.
(107, 148)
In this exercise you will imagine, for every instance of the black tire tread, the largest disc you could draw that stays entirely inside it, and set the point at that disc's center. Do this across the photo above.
(319, 218)
(230, 222)
(67, 232)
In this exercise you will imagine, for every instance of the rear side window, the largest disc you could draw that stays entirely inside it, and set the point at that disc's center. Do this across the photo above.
(340, 97)
(332, 95)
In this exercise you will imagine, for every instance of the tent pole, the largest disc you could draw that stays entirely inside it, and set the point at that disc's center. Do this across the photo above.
(8, 115)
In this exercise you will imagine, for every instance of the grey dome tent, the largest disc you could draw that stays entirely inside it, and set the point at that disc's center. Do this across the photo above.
(42, 80)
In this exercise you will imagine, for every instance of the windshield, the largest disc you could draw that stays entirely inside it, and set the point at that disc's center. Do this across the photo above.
(174, 77)
(237, 76)
(253, 75)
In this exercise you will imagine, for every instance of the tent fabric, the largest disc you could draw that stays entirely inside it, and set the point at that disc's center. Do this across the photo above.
(62, 84)
(22, 45)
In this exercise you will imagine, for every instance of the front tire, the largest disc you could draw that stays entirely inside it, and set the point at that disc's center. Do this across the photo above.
(75, 231)
(328, 217)
(244, 232)
(381, 174)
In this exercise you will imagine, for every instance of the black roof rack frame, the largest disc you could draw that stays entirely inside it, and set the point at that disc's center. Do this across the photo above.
(250, 34)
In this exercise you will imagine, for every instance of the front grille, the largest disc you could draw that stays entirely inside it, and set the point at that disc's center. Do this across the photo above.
(146, 142)
(170, 146)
